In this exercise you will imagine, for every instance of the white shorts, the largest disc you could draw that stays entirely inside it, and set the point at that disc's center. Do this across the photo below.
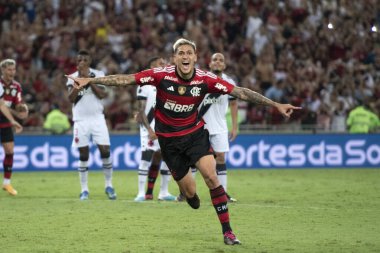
(147, 144)
(219, 142)
(96, 129)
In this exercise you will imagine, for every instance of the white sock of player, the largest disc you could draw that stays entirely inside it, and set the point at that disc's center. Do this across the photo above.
(83, 175)
(6, 181)
(165, 179)
(221, 171)
(143, 175)
(107, 171)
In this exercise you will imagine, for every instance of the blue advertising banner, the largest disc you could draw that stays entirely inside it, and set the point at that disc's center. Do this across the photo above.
(54, 153)
(305, 151)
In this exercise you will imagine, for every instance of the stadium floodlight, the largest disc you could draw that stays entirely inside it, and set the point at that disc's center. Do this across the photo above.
(330, 26)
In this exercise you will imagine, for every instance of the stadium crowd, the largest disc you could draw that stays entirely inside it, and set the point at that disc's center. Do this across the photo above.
(323, 55)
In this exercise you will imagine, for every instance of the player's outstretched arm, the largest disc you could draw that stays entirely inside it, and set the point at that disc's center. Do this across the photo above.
(113, 80)
(254, 97)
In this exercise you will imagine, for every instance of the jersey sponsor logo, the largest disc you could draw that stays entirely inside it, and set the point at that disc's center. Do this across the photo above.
(171, 78)
(84, 91)
(196, 82)
(147, 79)
(209, 101)
(171, 88)
(181, 90)
(195, 91)
(173, 106)
(221, 87)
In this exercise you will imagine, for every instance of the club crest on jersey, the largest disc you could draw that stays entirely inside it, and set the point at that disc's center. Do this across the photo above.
(195, 91)
(181, 90)
(13, 92)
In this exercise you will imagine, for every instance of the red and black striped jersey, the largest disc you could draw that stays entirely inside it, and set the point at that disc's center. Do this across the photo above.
(12, 97)
(177, 100)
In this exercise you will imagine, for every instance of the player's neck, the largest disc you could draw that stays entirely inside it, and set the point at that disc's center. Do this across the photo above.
(218, 73)
(186, 76)
(7, 80)
(84, 72)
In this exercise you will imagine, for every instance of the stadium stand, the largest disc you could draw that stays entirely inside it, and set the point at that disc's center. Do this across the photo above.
(322, 55)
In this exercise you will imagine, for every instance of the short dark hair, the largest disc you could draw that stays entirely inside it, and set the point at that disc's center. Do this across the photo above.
(83, 52)
(153, 59)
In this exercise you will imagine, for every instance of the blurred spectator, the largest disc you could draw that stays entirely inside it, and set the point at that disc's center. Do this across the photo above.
(362, 120)
(56, 121)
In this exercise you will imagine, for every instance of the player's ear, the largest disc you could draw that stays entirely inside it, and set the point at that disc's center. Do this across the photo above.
(196, 57)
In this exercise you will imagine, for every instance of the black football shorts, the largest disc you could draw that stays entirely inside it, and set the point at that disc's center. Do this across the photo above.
(6, 134)
(181, 152)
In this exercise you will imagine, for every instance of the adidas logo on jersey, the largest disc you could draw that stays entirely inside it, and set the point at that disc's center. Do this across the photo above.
(171, 88)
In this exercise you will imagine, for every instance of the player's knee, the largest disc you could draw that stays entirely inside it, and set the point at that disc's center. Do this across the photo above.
(220, 158)
(104, 151)
(147, 155)
(83, 157)
(105, 154)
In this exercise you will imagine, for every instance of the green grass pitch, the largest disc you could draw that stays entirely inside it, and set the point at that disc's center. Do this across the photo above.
(326, 210)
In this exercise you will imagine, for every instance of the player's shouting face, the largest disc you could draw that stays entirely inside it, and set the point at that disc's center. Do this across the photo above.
(185, 58)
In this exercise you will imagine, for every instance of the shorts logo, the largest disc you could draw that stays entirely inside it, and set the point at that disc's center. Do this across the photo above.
(173, 106)
(147, 79)
(196, 92)
(181, 90)
(171, 88)
(221, 87)
(76, 139)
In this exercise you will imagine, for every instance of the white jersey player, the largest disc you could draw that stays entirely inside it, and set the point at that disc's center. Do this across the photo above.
(213, 109)
(150, 149)
(89, 122)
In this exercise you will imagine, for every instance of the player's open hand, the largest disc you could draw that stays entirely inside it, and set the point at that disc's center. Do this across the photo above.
(79, 83)
(17, 127)
(287, 109)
